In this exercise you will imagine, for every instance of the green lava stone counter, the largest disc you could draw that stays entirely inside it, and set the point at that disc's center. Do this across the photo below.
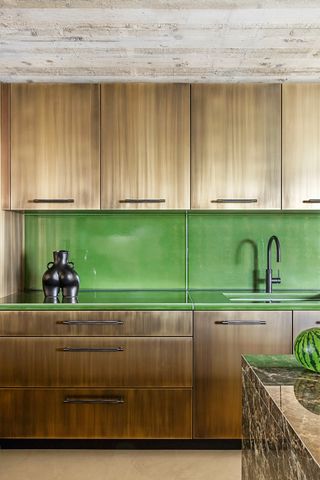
(167, 300)
(281, 419)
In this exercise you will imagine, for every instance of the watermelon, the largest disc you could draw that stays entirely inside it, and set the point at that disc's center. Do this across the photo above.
(307, 349)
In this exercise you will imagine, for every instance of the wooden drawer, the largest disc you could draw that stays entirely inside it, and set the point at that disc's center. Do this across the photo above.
(101, 323)
(70, 413)
(303, 320)
(95, 362)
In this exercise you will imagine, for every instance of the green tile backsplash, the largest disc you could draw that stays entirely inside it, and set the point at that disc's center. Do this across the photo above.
(147, 250)
(110, 250)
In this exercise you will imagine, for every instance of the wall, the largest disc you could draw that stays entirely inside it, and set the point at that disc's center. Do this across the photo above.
(145, 250)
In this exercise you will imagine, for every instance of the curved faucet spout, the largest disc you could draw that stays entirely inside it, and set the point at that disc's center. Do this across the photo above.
(275, 239)
(270, 280)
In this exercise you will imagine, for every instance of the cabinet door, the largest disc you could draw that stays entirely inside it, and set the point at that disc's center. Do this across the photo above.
(55, 147)
(145, 149)
(301, 146)
(220, 340)
(236, 146)
(305, 320)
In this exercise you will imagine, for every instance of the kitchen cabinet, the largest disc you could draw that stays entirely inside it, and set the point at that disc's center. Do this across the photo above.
(55, 147)
(236, 146)
(145, 146)
(220, 338)
(304, 320)
(301, 146)
(96, 374)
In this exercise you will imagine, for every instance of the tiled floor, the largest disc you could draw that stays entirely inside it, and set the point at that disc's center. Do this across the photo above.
(119, 465)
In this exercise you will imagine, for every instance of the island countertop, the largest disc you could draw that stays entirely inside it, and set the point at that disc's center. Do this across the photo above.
(166, 300)
(289, 396)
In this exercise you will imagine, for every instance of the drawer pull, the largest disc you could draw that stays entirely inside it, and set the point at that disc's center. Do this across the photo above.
(107, 400)
(90, 322)
(52, 200)
(91, 349)
(240, 322)
(142, 200)
(311, 200)
(318, 322)
(235, 200)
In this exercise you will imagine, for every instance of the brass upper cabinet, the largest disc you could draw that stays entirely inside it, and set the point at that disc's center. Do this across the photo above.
(145, 146)
(55, 150)
(236, 146)
(301, 146)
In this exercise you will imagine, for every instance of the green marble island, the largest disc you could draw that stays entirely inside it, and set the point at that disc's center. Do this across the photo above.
(281, 419)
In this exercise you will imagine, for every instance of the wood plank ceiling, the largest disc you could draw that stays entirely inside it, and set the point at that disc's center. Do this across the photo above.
(159, 40)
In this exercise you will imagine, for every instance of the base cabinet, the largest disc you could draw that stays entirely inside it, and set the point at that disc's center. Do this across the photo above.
(96, 375)
(220, 338)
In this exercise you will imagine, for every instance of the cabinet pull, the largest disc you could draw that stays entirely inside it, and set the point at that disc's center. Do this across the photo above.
(107, 400)
(142, 200)
(90, 322)
(235, 200)
(91, 349)
(240, 322)
(318, 322)
(52, 200)
(311, 200)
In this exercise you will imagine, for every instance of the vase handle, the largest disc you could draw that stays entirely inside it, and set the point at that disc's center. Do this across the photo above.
(71, 263)
(50, 264)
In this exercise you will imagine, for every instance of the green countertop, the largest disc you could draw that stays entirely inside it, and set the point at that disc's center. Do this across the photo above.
(168, 300)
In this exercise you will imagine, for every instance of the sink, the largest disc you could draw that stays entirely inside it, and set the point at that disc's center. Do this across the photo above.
(276, 297)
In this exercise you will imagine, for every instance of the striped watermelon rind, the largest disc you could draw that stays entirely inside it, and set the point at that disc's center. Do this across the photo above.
(307, 349)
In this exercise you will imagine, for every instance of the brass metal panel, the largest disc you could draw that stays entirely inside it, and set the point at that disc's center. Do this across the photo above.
(5, 145)
(217, 375)
(301, 146)
(96, 323)
(11, 223)
(96, 362)
(45, 413)
(236, 146)
(55, 147)
(304, 320)
(145, 150)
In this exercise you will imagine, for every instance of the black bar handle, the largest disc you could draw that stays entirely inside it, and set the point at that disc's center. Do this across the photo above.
(52, 200)
(311, 200)
(240, 322)
(142, 200)
(235, 200)
(90, 322)
(103, 400)
(91, 349)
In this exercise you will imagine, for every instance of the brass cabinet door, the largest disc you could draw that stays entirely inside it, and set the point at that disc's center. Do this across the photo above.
(220, 340)
(55, 149)
(145, 146)
(301, 146)
(304, 320)
(236, 146)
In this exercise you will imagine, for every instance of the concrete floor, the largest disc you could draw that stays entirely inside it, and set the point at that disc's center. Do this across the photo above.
(120, 464)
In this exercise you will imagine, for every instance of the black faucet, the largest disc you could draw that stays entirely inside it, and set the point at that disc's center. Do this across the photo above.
(269, 278)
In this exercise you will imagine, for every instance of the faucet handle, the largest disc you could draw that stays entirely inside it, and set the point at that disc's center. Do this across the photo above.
(277, 279)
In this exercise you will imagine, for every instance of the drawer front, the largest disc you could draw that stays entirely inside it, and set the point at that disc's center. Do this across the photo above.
(101, 323)
(304, 320)
(70, 413)
(96, 361)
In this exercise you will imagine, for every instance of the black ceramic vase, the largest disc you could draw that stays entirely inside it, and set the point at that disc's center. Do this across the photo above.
(61, 274)
(51, 278)
(69, 279)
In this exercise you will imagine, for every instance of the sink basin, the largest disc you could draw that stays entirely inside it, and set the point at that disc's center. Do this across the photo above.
(276, 297)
